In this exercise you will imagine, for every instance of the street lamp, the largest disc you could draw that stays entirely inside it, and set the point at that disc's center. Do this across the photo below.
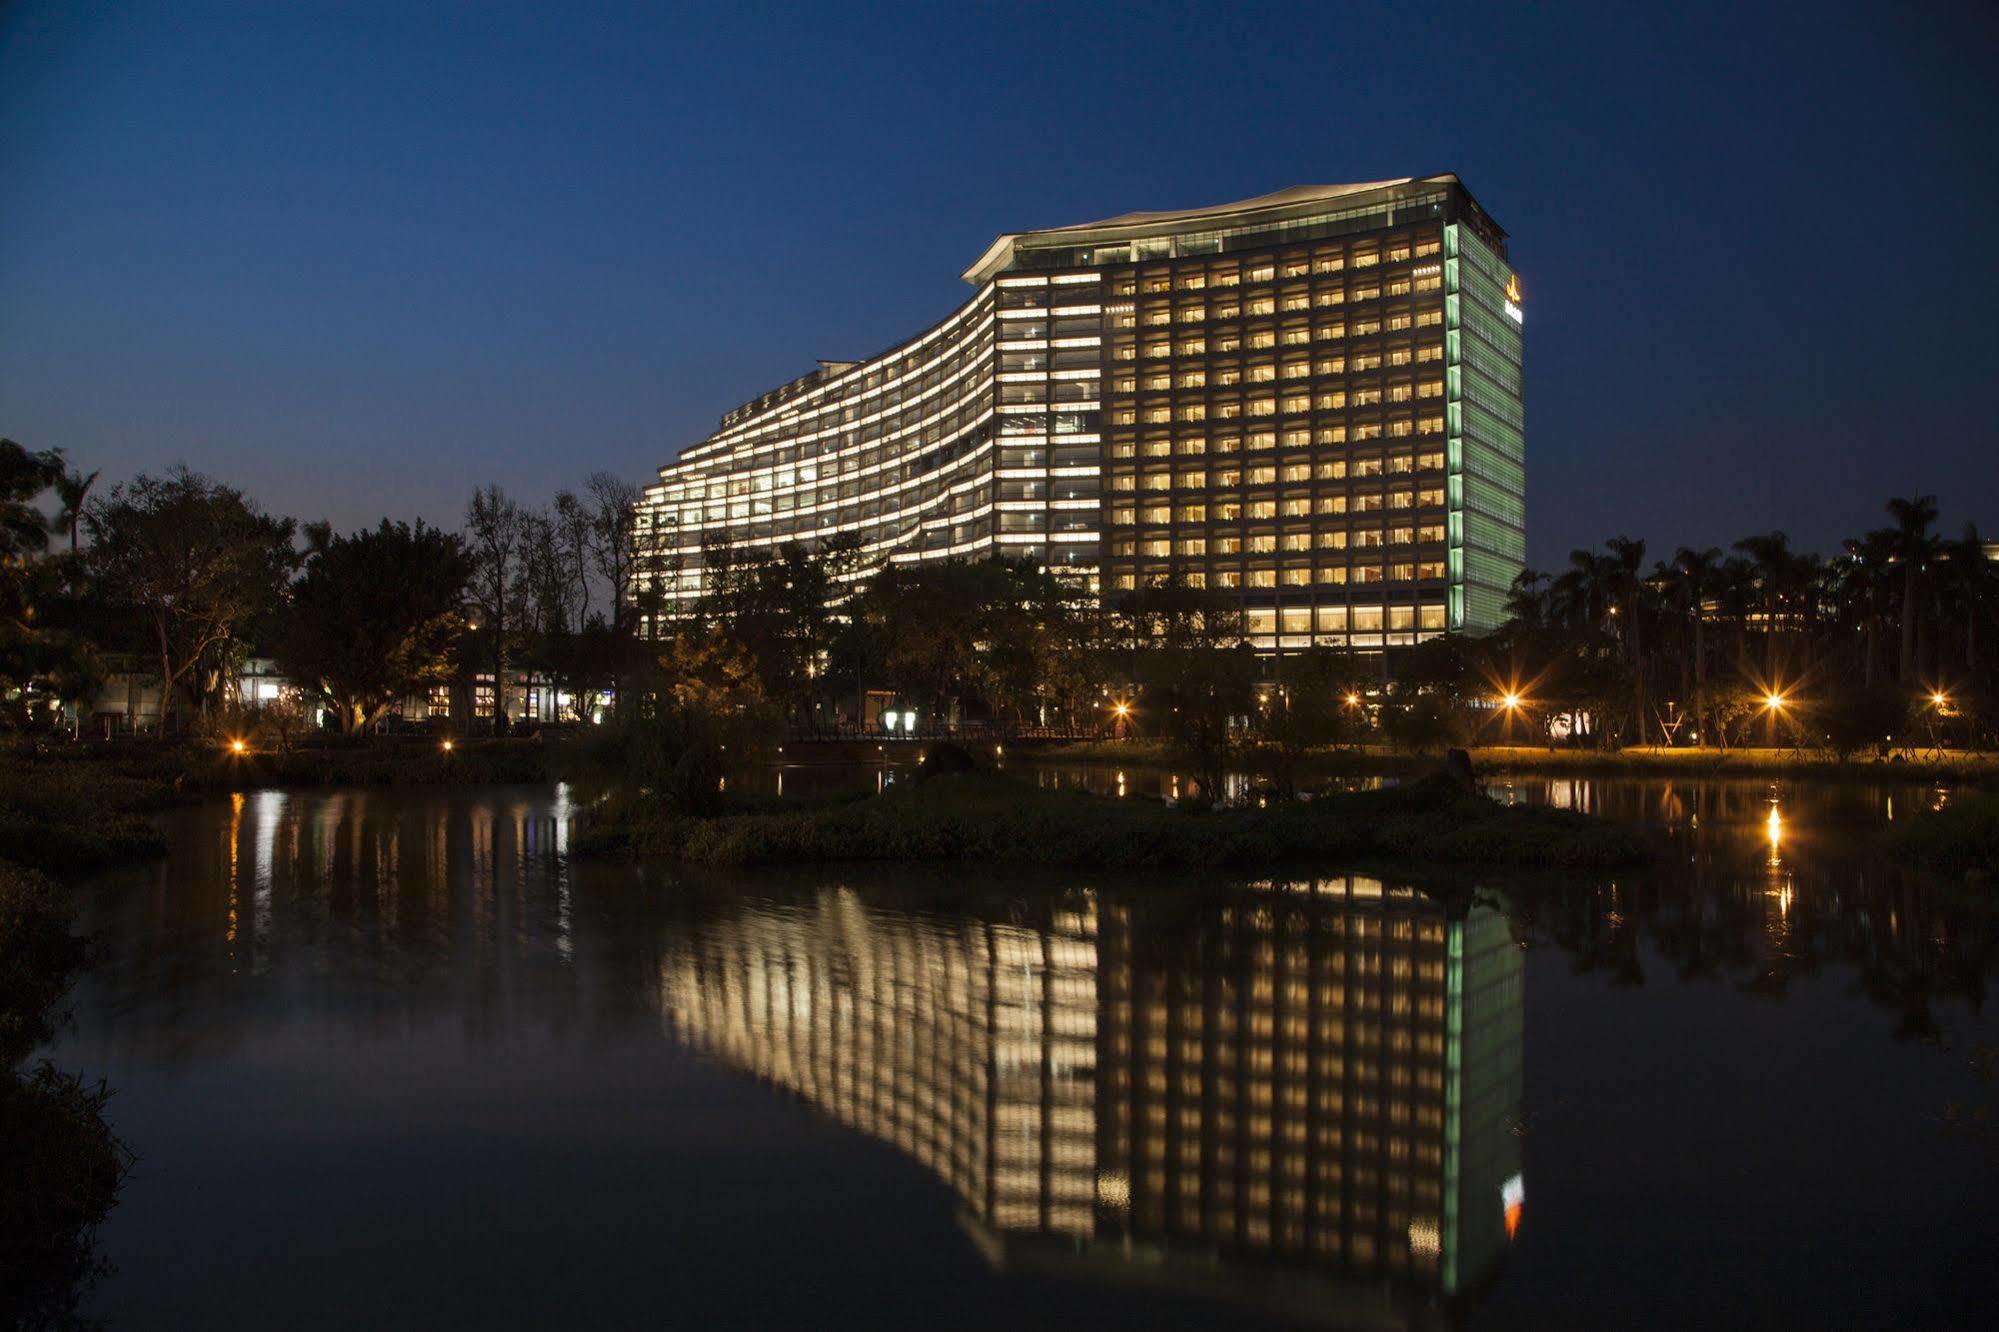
(1774, 702)
(237, 746)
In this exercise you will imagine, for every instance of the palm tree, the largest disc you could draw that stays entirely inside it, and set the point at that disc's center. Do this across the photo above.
(1527, 600)
(72, 489)
(1775, 568)
(1627, 557)
(1579, 596)
(1972, 583)
(1697, 576)
(1863, 581)
(1913, 547)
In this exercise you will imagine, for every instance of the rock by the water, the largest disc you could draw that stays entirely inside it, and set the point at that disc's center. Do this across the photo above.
(945, 758)
(1457, 767)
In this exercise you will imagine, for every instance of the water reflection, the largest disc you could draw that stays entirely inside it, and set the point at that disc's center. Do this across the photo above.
(1321, 1078)
(1302, 1095)
(370, 903)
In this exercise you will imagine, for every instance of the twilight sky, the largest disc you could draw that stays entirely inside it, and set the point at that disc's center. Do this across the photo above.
(359, 259)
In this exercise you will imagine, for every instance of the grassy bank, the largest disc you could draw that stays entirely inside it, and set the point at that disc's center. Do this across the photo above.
(61, 1166)
(1646, 761)
(387, 762)
(981, 817)
(69, 817)
(1963, 835)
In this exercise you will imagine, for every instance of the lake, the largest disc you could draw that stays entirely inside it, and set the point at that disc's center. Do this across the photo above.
(389, 1058)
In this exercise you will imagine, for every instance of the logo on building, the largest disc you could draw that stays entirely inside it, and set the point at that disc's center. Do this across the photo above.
(1513, 298)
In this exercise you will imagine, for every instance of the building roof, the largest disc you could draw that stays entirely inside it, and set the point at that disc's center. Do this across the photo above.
(1297, 200)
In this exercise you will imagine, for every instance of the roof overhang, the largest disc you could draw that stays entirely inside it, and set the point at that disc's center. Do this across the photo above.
(1296, 201)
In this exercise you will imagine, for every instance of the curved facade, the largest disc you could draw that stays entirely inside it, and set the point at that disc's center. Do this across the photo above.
(1309, 402)
(976, 438)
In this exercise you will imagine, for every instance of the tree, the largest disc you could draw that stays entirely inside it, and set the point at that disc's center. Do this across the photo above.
(1862, 584)
(35, 647)
(196, 560)
(1627, 557)
(1527, 599)
(612, 514)
(1852, 718)
(1309, 709)
(1186, 651)
(572, 531)
(1695, 579)
(495, 535)
(1971, 584)
(777, 604)
(1913, 548)
(72, 492)
(374, 617)
(23, 478)
(1776, 570)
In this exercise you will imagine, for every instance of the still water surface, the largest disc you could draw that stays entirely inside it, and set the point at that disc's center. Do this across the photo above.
(390, 1059)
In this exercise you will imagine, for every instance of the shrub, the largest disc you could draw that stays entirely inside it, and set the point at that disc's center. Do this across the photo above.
(983, 817)
(1962, 835)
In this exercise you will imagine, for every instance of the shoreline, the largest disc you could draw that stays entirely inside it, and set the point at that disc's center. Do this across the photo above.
(1372, 760)
(983, 817)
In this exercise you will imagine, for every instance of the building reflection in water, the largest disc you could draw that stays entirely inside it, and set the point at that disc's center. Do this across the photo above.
(1302, 1096)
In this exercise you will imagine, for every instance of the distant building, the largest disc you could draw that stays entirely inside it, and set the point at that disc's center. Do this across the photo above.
(128, 702)
(1309, 402)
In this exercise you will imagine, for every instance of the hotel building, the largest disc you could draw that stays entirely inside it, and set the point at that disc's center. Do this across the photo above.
(1308, 401)
(1304, 1097)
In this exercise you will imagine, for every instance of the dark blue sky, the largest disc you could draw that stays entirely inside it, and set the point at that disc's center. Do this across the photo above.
(359, 261)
